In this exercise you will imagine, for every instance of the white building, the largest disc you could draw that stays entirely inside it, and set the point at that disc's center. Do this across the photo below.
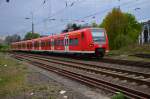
(144, 37)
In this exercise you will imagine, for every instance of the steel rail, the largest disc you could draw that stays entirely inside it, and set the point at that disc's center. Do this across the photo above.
(109, 73)
(91, 80)
(128, 89)
(93, 65)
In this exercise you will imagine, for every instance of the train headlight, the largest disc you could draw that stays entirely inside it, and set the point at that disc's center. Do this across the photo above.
(91, 45)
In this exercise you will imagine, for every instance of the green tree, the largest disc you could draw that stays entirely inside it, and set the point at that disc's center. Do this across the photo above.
(30, 36)
(12, 38)
(94, 24)
(122, 28)
(4, 47)
(71, 27)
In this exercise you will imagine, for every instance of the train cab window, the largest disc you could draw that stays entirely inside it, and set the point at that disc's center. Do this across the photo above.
(73, 42)
(98, 35)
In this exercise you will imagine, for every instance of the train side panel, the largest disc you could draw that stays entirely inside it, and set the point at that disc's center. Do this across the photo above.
(88, 40)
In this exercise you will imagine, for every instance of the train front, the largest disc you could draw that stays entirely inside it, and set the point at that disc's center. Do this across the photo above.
(100, 40)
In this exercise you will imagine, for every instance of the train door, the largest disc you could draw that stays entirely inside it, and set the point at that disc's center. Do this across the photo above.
(40, 45)
(52, 44)
(66, 43)
(32, 45)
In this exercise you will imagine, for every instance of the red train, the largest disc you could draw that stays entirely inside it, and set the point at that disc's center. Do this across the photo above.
(93, 41)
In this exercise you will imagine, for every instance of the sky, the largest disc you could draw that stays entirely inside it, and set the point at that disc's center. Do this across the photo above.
(51, 16)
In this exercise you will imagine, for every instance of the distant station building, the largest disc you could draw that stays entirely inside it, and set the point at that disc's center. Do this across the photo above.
(144, 37)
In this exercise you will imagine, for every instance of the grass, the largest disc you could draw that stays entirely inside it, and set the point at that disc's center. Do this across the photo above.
(132, 49)
(119, 95)
(12, 76)
(15, 81)
(128, 51)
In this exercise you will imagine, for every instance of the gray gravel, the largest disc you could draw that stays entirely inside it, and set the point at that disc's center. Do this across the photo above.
(73, 89)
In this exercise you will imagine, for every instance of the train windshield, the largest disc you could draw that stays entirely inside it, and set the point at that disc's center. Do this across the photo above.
(98, 35)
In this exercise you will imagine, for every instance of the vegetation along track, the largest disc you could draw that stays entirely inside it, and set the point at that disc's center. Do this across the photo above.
(137, 86)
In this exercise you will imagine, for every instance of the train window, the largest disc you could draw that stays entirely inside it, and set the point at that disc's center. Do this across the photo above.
(62, 42)
(56, 42)
(19, 46)
(23, 45)
(59, 42)
(49, 43)
(98, 35)
(30, 45)
(36, 44)
(52, 43)
(73, 42)
(42, 44)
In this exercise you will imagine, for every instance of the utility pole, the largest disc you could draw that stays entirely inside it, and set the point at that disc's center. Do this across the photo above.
(32, 16)
(32, 23)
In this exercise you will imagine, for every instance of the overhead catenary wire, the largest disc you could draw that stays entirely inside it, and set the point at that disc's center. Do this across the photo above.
(88, 16)
(58, 12)
(98, 13)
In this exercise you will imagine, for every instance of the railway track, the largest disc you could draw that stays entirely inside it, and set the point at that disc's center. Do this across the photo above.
(142, 55)
(119, 62)
(127, 62)
(109, 60)
(112, 79)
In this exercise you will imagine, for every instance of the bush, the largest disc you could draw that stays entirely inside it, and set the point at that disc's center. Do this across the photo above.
(4, 47)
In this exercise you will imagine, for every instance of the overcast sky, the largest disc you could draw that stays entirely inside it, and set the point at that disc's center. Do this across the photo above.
(13, 14)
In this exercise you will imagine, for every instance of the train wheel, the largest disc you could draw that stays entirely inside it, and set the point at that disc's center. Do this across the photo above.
(99, 53)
